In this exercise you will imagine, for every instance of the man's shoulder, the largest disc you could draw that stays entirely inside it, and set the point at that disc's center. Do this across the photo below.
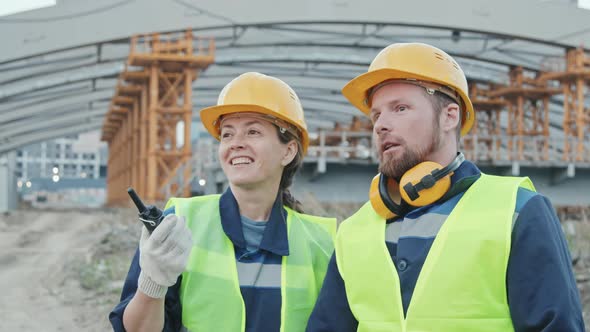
(533, 209)
(524, 196)
(361, 212)
(352, 223)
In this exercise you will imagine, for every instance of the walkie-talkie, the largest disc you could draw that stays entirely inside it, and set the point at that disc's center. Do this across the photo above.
(149, 215)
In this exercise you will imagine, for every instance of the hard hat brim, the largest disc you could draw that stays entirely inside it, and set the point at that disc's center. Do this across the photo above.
(210, 115)
(356, 92)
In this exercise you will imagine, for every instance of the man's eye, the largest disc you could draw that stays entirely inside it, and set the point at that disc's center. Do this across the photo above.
(253, 132)
(401, 108)
(375, 117)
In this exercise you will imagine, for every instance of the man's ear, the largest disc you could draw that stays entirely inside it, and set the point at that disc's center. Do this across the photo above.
(450, 117)
(290, 153)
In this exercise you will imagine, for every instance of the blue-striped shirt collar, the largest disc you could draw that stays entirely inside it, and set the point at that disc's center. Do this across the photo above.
(275, 237)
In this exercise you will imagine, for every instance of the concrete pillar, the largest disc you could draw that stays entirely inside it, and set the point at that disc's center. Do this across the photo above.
(7, 181)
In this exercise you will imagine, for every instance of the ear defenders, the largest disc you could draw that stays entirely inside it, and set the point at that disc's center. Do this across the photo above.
(421, 185)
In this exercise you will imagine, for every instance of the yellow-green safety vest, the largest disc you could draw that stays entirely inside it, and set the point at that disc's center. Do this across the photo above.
(210, 289)
(462, 284)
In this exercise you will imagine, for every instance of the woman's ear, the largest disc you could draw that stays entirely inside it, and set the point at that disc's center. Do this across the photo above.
(290, 153)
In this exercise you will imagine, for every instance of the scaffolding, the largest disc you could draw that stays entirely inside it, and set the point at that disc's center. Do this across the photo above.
(151, 109)
(527, 128)
(512, 121)
(485, 139)
(575, 83)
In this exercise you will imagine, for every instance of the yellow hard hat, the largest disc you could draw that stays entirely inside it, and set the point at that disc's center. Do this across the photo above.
(415, 63)
(258, 93)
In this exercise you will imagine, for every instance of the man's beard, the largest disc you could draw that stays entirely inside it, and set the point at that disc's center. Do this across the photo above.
(396, 167)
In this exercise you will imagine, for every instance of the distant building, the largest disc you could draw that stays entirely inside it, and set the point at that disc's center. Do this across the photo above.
(69, 171)
(76, 156)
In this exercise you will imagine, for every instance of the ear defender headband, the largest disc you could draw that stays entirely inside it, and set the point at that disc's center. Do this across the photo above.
(421, 185)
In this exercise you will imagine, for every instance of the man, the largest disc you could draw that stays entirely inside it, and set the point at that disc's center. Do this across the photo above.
(463, 251)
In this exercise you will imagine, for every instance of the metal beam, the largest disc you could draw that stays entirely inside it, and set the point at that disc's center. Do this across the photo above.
(52, 106)
(49, 122)
(97, 71)
(48, 68)
(50, 134)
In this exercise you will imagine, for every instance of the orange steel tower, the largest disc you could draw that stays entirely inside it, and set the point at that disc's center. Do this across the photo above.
(575, 82)
(151, 107)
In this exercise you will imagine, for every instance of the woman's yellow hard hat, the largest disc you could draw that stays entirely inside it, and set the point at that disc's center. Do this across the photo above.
(257, 93)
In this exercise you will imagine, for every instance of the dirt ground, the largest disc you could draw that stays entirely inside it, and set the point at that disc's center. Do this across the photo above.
(54, 272)
(63, 270)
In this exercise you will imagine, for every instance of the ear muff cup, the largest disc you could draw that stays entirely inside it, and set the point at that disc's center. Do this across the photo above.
(423, 173)
(421, 185)
(379, 197)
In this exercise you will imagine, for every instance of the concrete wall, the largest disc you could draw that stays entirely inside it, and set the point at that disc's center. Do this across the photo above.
(340, 183)
(350, 183)
(567, 191)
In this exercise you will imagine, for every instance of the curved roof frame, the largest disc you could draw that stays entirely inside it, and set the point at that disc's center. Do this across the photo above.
(56, 93)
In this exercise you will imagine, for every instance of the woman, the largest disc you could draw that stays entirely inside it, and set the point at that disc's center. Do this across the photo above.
(248, 259)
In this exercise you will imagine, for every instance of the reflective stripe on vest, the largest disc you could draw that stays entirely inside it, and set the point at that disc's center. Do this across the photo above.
(210, 289)
(461, 286)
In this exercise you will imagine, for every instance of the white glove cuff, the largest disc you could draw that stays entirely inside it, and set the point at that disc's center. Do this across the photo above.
(150, 287)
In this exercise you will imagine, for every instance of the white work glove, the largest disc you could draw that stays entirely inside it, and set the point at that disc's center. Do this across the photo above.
(163, 255)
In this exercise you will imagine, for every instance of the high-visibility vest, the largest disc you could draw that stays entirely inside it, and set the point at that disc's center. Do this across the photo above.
(462, 284)
(210, 289)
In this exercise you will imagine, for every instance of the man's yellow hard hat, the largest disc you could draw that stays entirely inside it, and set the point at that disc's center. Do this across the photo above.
(415, 63)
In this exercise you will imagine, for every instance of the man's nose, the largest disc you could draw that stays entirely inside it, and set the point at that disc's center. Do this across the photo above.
(382, 125)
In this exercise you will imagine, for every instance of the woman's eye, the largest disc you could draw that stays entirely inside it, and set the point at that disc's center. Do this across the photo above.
(401, 108)
(253, 132)
(225, 135)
